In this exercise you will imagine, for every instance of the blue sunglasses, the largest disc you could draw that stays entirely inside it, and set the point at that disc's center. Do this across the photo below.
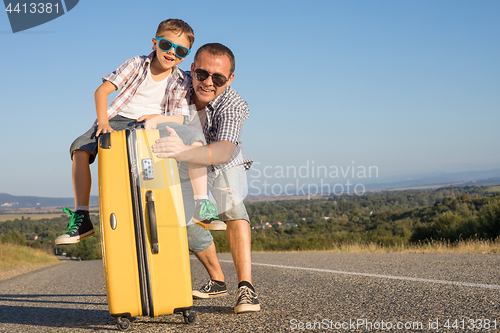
(166, 45)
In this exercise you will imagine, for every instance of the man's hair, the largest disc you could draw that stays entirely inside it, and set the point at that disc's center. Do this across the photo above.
(217, 49)
(177, 26)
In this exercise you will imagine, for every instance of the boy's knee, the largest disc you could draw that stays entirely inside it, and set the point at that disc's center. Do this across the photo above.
(197, 144)
(80, 155)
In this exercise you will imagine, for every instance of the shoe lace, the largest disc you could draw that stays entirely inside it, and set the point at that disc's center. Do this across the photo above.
(245, 295)
(75, 220)
(208, 211)
(208, 286)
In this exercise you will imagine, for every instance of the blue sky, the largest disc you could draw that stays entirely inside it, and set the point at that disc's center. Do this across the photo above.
(411, 87)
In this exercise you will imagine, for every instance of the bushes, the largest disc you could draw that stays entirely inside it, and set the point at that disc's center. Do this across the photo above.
(13, 237)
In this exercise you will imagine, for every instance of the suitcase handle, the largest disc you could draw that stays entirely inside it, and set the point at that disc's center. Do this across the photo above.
(152, 222)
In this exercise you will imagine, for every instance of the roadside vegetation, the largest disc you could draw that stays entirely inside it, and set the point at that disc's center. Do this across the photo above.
(17, 256)
(446, 220)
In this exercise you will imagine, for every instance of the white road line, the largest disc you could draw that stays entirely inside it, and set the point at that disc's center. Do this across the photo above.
(464, 284)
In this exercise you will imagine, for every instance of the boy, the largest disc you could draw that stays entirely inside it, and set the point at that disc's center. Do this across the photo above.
(149, 86)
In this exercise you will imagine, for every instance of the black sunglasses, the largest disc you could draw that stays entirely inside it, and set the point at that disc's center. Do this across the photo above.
(201, 75)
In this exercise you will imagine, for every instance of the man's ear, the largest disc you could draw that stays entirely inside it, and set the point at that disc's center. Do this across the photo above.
(231, 77)
(192, 67)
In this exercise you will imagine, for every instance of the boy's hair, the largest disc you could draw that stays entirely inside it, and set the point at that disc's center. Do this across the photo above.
(177, 26)
(217, 49)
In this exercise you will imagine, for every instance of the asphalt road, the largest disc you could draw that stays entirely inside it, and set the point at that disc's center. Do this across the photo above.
(299, 292)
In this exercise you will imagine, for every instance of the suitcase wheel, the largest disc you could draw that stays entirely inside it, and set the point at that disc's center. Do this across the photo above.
(123, 324)
(189, 317)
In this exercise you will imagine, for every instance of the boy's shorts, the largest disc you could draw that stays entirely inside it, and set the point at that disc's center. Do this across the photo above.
(229, 189)
(89, 142)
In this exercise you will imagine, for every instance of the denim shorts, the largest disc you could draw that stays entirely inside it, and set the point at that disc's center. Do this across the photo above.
(229, 189)
(89, 142)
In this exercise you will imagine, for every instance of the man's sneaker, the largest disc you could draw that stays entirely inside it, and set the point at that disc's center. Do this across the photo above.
(210, 290)
(247, 301)
(79, 227)
(205, 215)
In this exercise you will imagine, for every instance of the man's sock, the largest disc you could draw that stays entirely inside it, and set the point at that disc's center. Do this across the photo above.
(82, 208)
(246, 283)
(200, 197)
(220, 283)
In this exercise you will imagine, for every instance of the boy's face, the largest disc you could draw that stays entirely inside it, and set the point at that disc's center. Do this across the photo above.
(168, 59)
(206, 91)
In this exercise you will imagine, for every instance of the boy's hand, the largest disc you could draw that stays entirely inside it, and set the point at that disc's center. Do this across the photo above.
(101, 129)
(151, 121)
(170, 146)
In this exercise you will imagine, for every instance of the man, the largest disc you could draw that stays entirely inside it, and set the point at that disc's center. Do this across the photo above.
(220, 112)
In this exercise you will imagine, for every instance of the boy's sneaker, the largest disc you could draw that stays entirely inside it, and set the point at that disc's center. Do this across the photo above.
(205, 215)
(211, 289)
(247, 300)
(79, 227)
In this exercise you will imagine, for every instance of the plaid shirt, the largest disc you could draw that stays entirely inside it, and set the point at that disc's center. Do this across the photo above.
(130, 75)
(225, 116)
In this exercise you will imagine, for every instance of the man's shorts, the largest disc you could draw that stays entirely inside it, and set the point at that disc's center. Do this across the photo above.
(89, 142)
(229, 189)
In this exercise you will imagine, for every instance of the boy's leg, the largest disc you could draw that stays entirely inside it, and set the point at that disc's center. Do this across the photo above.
(83, 152)
(205, 212)
(201, 244)
(228, 191)
(79, 226)
(82, 179)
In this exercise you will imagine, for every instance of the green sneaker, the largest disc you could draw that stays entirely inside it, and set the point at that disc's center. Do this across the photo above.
(205, 215)
(79, 227)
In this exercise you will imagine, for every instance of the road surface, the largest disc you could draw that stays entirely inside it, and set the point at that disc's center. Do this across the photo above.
(299, 292)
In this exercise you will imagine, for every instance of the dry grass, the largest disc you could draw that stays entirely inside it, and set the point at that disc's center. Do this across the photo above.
(431, 247)
(14, 257)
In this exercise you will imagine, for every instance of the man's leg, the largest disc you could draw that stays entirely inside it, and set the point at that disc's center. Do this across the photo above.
(239, 237)
(228, 190)
(209, 259)
(201, 244)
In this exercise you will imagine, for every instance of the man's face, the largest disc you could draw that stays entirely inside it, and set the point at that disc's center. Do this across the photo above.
(205, 91)
(168, 59)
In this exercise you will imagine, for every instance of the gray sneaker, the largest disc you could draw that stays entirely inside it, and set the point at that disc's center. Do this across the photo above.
(79, 227)
(210, 290)
(247, 301)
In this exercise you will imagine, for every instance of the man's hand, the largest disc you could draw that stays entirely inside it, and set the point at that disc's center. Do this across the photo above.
(170, 146)
(101, 129)
(151, 121)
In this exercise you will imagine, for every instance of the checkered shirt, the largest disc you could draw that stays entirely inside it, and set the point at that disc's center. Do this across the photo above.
(132, 73)
(225, 116)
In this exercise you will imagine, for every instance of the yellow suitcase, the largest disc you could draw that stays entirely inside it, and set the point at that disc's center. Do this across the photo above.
(143, 229)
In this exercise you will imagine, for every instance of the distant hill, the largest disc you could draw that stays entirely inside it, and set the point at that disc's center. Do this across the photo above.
(473, 178)
(8, 201)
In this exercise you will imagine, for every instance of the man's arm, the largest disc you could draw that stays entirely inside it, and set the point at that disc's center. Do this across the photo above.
(172, 146)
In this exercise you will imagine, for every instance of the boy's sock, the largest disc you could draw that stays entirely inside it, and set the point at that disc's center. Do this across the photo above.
(82, 208)
(200, 197)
